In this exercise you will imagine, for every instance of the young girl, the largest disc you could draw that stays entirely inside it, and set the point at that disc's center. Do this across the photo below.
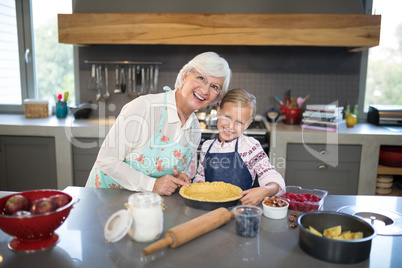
(235, 158)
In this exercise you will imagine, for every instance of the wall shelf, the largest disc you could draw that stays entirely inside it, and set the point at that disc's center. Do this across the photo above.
(353, 31)
(385, 170)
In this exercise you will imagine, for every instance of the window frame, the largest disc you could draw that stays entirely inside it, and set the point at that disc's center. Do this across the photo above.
(368, 7)
(25, 42)
(27, 65)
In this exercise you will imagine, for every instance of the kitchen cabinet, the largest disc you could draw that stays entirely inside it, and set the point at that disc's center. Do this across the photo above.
(27, 163)
(84, 158)
(354, 31)
(330, 167)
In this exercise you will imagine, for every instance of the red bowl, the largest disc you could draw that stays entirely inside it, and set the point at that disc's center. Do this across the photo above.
(391, 156)
(34, 232)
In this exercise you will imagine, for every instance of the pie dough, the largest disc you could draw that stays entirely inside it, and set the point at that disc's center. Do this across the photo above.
(217, 191)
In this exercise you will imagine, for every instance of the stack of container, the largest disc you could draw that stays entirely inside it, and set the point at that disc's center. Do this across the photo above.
(384, 184)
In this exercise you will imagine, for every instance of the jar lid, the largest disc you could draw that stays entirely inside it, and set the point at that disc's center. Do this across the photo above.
(144, 199)
(118, 225)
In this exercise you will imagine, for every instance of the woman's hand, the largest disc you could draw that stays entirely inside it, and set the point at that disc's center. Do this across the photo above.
(254, 196)
(182, 176)
(167, 185)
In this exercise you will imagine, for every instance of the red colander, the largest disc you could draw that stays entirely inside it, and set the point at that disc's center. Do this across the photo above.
(34, 232)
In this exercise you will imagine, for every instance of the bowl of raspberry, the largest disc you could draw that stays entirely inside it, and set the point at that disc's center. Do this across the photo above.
(302, 199)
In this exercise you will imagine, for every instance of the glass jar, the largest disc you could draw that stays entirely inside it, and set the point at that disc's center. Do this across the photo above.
(146, 210)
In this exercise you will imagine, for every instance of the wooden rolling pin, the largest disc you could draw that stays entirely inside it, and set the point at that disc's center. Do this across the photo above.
(194, 228)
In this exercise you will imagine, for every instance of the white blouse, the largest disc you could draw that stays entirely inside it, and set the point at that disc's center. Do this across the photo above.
(132, 133)
(253, 155)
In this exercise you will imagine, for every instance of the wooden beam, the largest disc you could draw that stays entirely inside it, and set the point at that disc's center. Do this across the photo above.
(221, 29)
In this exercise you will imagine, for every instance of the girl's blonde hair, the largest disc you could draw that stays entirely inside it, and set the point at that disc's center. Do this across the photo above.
(240, 96)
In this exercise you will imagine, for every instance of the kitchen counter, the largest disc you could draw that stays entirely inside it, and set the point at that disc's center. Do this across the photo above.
(369, 136)
(65, 130)
(82, 242)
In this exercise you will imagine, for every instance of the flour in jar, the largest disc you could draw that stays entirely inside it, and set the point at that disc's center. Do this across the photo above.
(147, 213)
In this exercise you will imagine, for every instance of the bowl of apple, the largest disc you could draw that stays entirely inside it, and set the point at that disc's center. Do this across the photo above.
(32, 217)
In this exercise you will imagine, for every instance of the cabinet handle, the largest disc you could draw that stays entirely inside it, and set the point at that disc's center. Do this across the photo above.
(323, 151)
(322, 166)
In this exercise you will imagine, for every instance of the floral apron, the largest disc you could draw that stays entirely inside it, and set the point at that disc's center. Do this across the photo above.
(160, 158)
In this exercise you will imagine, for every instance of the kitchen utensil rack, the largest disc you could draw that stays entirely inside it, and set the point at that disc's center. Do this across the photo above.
(125, 62)
(142, 77)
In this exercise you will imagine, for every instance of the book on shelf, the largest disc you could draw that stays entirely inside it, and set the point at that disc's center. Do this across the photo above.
(327, 129)
(334, 120)
(323, 117)
(325, 109)
(324, 125)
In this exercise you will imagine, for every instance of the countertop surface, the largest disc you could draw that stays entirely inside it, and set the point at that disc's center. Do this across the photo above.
(17, 120)
(80, 127)
(82, 243)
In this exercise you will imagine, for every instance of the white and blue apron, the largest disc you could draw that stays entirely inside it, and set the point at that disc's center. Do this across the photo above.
(160, 158)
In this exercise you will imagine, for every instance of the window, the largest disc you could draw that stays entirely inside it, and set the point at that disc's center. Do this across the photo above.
(35, 65)
(384, 67)
(9, 56)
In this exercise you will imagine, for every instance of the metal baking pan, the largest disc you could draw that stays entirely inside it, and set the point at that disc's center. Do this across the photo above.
(209, 205)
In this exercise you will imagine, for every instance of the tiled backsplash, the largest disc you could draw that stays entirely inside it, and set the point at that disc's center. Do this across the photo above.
(328, 74)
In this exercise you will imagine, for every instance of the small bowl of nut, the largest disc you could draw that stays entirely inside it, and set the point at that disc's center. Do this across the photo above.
(275, 207)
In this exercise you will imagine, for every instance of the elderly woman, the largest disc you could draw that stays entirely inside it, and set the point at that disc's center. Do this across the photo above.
(152, 145)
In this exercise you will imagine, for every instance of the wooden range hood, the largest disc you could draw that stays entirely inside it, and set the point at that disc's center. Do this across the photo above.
(353, 31)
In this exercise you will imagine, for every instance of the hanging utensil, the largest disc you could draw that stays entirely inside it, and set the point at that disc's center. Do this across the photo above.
(98, 82)
(143, 80)
(132, 90)
(123, 80)
(151, 79)
(156, 73)
(134, 83)
(138, 78)
(117, 89)
(146, 79)
(92, 80)
(107, 95)
(129, 79)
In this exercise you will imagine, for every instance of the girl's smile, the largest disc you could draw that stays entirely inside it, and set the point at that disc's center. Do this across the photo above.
(233, 119)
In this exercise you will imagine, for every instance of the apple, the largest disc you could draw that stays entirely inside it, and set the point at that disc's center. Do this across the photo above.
(42, 206)
(60, 200)
(16, 203)
(22, 213)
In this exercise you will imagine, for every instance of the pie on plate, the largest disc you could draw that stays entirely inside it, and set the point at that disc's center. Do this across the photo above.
(217, 191)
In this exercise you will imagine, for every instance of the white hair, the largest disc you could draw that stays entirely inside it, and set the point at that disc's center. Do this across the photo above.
(209, 64)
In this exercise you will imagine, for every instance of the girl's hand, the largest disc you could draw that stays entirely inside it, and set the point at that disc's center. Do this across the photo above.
(167, 185)
(254, 196)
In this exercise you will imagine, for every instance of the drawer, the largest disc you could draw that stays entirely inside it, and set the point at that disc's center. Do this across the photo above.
(323, 152)
(342, 179)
